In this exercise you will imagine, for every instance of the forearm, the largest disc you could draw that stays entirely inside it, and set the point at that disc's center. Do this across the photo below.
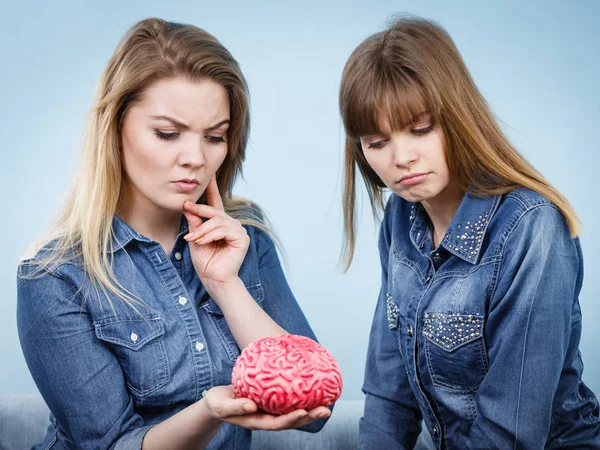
(191, 428)
(246, 320)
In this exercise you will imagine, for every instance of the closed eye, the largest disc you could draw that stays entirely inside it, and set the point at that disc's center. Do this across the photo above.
(215, 139)
(422, 131)
(165, 136)
(377, 144)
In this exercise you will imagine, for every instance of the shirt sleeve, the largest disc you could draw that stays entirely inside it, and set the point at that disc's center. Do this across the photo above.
(79, 378)
(528, 330)
(279, 301)
(392, 418)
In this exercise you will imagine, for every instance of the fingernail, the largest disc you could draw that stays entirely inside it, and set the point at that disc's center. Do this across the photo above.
(197, 241)
(187, 236)
(323, 415)
(248, 407)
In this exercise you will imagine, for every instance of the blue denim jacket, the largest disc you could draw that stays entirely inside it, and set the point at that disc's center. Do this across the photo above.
(479, 337)
(108, 376)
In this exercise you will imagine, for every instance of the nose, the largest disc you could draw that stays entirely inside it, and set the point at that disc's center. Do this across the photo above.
(192, 153)
(404, 153)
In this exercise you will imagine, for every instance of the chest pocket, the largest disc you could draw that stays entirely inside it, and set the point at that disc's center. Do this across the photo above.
(454, 349)
(140, 349)
(217, 319)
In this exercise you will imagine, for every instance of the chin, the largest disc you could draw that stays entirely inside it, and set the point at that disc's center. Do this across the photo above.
(415, 196)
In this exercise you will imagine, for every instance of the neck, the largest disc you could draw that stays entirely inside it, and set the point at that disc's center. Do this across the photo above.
(153, 222)
(441, 210)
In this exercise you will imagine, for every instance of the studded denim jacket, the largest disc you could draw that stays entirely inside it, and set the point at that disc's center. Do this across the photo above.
(478, 338)
(108, 375)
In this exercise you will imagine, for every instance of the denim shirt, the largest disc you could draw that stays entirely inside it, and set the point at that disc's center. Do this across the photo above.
(478, 338)
(110, 375)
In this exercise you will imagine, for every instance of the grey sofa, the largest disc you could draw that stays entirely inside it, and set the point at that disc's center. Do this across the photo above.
(24, 420)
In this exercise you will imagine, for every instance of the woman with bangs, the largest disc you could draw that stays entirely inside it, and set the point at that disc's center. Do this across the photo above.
(477, 325)
(133, 311)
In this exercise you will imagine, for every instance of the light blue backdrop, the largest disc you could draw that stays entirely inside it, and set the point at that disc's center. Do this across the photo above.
(535, 62)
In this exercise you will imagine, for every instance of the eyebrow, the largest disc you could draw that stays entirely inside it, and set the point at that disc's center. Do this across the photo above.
(186, 127)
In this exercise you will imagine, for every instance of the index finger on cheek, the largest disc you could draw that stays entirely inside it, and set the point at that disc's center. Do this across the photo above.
(213, 197)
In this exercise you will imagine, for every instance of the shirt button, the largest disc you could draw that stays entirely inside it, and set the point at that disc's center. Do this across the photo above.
(199, 346)
(178, 256)
(435, 431)
(410, 331)
(182, 300)
(133, 337)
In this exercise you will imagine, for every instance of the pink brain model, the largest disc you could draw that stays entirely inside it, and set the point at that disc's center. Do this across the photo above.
(288, 372)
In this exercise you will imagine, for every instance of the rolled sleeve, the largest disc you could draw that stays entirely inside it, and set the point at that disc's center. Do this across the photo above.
(279, 301)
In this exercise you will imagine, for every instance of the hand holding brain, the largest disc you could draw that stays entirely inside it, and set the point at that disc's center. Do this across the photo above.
(284, 373)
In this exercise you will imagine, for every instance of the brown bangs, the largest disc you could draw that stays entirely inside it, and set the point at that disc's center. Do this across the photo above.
(384, 96)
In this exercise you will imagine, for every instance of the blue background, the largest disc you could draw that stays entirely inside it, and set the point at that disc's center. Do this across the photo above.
(535, 62)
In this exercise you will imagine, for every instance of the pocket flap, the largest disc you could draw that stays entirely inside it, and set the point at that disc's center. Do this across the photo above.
(452, 330)
(130, 333)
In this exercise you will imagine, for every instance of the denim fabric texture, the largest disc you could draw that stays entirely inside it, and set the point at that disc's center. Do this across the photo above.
(478, 338)
(108, 375)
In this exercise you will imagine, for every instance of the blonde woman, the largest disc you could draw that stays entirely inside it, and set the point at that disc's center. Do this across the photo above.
(477, 325)
(133, 311)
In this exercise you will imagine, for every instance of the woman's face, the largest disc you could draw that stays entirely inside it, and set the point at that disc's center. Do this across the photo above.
(411, 162)
(174, 140)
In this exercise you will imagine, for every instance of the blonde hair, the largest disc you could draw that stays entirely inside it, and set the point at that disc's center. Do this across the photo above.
(152, 49)
(410, 69)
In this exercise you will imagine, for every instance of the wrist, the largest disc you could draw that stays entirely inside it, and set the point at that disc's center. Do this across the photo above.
(207, 414)
(219, 290)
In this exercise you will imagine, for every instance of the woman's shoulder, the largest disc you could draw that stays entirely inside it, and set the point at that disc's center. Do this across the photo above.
(46, 261)
(526, 199)
(523, 212)
(525, 204)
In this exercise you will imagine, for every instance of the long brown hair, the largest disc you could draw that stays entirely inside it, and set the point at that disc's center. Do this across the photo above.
(414, 68)
(152, 49)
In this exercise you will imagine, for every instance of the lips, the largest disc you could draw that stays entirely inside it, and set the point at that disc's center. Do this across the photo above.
(187, 180)
(416, 178)
(186, 185)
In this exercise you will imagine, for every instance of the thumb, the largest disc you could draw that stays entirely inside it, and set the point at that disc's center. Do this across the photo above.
(239, 407)
(194, 221)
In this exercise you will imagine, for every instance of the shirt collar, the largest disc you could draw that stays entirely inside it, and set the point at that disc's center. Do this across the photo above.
(123, 234)
(466, 231)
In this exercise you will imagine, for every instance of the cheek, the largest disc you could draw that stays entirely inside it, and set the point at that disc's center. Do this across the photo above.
(215, 156)
(143, 155)
(378, 163)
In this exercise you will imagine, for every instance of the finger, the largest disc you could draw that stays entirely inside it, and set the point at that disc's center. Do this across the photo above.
(314, 414)
(262, 421)
(319, 412)
(213, 197)
(204, 228)
(215, 235)
(234, 408)
(231, 236)
(194, 221)
(200, 210)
